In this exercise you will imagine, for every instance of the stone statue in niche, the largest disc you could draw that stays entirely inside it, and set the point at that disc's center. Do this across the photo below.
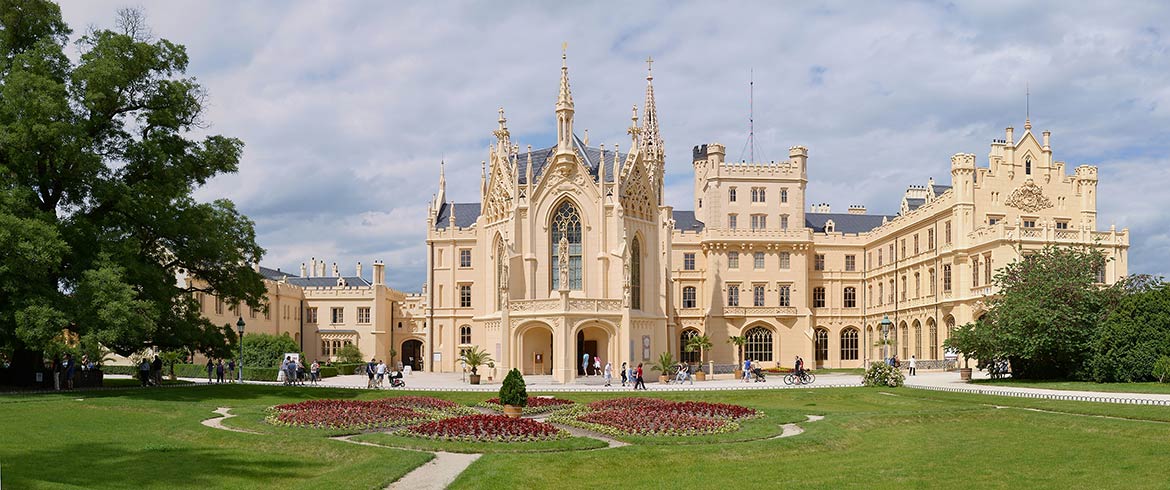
(626, 274)
(563, 257)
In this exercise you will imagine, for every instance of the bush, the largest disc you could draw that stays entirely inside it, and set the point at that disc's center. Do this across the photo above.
(267, 350)
(882, 374)
(1162, 369)
(350, 353)
(350, 367)
(513, 391)
(1134, 336)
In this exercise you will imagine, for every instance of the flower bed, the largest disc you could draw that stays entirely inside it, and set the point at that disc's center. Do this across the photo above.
(657, 417)
(486, 428)
(535, 405)
(344, 414)
(436, 406)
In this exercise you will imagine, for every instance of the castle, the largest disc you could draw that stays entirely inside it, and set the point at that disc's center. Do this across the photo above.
(570, 250)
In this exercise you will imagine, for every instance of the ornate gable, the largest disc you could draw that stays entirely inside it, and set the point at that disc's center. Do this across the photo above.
(637, 190)
(499, 200)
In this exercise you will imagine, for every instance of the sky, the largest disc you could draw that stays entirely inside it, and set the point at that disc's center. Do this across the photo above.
(346, 108)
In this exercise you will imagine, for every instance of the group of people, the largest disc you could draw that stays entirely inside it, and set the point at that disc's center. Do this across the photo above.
(633, 376)
(219, 369)
(896, 363)
(378, 373)
(682, 373)
(292, 372)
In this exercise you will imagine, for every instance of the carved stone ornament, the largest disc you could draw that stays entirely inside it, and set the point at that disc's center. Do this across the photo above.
(1028, 198)
(563, 258)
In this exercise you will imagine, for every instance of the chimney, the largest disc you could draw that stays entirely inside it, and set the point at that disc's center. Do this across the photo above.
(856, 209)
(1010, 140)
(359, 269)
(303, 272)
(335, 274)
(379, 273)
(313, 269)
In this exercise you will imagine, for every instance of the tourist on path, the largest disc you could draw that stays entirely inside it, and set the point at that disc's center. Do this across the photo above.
(281, 374)
(371, 367)
(624, 373)
(638, 377)
(67, 366)
(380, 374)
(156, 371)
(219, 371)
(585, 364)
(608, 373)
(210, 370)
(747, 370)
(913, 366)
(291, 376)
(597, 365)
(231, 370)
(144, 372)
(315, 371)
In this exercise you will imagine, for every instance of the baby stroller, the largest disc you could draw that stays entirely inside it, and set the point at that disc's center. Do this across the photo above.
(759, 375)
(396, 380)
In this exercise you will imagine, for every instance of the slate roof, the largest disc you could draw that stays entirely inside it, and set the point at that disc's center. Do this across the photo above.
(914, 202)
(465, 214)
(939, 189)
(685, 221)
(844, 222)
(274, 274)
(592, 159)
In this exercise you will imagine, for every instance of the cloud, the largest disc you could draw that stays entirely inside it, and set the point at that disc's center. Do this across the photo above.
(347, 108)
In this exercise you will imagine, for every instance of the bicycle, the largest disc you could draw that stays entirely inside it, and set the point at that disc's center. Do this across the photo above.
(805, 378)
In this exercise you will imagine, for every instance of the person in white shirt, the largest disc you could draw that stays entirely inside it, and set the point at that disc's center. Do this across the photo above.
(381, 374)
(913, 366)
(608, 373)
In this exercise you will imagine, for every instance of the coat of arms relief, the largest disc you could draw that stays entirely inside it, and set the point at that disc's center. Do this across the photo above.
(1028, 198)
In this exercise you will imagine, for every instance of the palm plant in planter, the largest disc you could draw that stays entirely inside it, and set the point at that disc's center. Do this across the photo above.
(700, 343)
(513, 394)
(475, 358)
(739, 341)
(665, 364)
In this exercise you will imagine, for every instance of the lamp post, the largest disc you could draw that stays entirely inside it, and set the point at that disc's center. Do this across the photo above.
(886, 324)
(240, 365)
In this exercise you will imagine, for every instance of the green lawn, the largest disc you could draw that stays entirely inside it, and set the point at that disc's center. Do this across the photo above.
(871, 438)
(1151, 387)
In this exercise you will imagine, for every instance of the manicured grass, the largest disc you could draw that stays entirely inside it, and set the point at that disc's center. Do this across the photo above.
(871, 438)
(1151, 387)
(394, 440)
(127, 382)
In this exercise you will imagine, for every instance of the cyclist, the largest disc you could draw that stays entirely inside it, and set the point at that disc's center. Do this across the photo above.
(799, 368)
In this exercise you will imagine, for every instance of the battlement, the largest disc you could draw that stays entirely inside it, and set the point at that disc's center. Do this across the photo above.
(963, 160)
(1086, 172)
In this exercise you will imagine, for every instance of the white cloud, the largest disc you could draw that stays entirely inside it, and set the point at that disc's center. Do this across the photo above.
(346, 108)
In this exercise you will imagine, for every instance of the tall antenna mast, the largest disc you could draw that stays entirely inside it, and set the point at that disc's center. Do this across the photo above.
(750, 145)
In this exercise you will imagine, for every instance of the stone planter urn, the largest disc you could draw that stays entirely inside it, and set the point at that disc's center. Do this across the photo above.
(700, 376)
(663, 378)
(513, 412)
(965, 374)
(473, 378)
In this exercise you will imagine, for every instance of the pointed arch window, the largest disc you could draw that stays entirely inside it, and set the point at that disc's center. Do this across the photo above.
(1028, 166)
(566, 222)
(758, 345)
(849, 344)
(821, 346)
(636, 274)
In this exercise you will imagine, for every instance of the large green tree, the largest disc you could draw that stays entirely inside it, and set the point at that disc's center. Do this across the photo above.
(98, 163)
(1135, 334)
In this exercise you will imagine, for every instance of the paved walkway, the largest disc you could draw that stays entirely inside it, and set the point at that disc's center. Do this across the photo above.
(949, 381)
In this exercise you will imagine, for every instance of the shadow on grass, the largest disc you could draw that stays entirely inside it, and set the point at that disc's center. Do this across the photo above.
(159, 465)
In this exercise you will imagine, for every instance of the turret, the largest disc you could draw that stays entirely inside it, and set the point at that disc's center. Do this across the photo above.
(798, 155)
(379, 273)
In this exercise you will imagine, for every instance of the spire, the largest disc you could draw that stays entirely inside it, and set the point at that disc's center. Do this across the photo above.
(633, 130)
(1027, 107)
(651, 139)
(504, 143)
(441, 197)
(564, 107)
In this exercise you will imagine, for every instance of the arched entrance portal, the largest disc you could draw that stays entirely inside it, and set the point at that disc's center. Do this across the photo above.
(592, 340)
(412, 354)
(536, 350)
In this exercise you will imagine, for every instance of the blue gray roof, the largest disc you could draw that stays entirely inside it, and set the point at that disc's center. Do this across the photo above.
(591, 158)
(685, 221)
(273, 274)
(914, 202)
(939, 189)
(844, 222)
(465, 214)
(326, 282)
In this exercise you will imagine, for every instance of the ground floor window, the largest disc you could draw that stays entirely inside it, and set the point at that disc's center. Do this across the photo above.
(821, 345)
(688, 357)
(849, 344)
(759, 344)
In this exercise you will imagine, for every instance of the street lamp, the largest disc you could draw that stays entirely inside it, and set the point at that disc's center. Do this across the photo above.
(886, 324)
(240, 365)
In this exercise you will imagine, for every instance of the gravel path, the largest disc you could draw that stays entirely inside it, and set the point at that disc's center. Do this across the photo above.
(794, 429)
(217, 422)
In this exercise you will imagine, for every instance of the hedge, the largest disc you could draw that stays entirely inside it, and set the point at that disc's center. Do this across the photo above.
(200, 371)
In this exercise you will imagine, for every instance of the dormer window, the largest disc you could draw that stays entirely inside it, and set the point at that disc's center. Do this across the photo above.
(829, 226)
(1027, 166)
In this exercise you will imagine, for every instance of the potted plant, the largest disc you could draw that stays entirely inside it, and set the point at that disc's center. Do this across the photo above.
(664, 365)
(513, 394)
(170, 358)
(700, 343)
(738, 341)
(491, 370)
(475, 358)
(970, 342)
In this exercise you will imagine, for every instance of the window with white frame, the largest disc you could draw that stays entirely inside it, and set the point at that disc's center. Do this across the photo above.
(733, 295)
(758, 344)
(819, 262)
(731, 221)
(758, 261)
(850, 297)
(465, 335)
(758, 295)
(465, 296)
(731, 195)
(465, 257)
(850, 263)
(732, 260)
(689, 297)
(689, 261)
(784, 222)
(311, 315)
(759, 221)
(338, 315)
(786, 295)
(785, 260)
(784, 195)
(363, 313)
(818, 297)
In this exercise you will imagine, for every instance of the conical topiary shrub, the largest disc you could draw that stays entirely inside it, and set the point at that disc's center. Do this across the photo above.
(513, 393)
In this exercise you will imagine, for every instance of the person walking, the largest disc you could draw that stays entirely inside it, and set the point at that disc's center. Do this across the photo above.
(219, 371)
(371, 368)
(314, 371)
(747, 370)
(232, 370)
(156, 371)
(597, 365)
(638, 377)
(913, 366)
(291, 375)
(380, 374)
(585, 364)
(624, 373)
(67, 367)
(608, 373)
(210, 369)
(144, 372)
(282, 373)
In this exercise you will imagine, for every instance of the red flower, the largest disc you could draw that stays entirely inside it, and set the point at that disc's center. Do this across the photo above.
(344, 414)
(486, 428)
